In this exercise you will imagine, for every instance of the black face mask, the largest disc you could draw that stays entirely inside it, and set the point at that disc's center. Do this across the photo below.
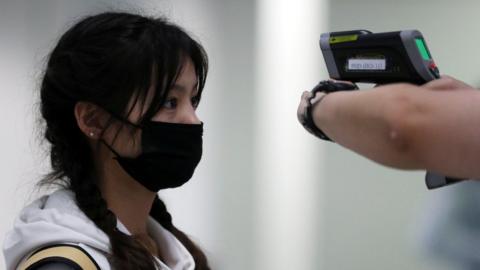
(170, 154)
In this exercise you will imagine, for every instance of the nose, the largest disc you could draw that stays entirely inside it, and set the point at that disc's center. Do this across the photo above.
(188, 115)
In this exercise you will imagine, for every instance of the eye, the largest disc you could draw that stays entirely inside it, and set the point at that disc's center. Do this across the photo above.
(170, 103)
(195, 101)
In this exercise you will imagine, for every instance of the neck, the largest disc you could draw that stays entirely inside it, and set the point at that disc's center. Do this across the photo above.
(129, 200)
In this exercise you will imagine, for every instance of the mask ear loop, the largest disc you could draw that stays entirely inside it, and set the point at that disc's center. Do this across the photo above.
(121, 119)
(111, 149)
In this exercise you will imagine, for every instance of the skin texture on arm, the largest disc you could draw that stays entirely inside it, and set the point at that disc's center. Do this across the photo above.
(434, 127)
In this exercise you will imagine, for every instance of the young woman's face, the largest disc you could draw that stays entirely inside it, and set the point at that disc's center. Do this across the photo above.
(179, 107)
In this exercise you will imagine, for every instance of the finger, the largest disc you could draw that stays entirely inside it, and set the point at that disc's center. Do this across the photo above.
(301, 112)
(440, 84)
(317, 97)
(306, 95)
(446, 83)
(456, 83)
(303, 104)
(299, 115)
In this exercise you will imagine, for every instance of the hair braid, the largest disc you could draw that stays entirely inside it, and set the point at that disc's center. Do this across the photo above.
(127, 253)
(160, 213)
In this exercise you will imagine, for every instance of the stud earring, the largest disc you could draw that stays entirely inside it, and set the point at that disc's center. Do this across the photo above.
(91, 134)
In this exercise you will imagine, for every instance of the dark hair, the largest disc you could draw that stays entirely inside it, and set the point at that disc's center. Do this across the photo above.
(109, 59)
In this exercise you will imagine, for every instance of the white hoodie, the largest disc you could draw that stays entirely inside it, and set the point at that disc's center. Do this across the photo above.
(56, 218)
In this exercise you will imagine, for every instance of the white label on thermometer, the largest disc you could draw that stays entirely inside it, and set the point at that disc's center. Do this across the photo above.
(366, 64)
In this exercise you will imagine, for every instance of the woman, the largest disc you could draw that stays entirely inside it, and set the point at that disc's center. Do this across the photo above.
(118, 98)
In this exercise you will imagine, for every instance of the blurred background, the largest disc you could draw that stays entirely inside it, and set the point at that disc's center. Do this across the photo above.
(267, 195)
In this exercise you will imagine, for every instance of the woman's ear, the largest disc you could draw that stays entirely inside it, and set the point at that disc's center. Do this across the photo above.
(91, 119)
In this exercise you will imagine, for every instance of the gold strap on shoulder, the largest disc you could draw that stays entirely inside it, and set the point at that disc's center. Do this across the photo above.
(70, 253)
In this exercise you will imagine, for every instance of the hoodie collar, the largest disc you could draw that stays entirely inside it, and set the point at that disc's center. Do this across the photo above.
(56, 218)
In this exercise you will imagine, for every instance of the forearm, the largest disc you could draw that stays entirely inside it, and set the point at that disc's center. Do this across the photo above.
(369, 122)
(434, 127)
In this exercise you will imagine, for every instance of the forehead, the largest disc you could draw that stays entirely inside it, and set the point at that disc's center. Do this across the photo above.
(187, 80)
(187, 73)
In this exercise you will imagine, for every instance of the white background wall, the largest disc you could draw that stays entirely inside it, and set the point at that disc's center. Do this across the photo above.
(288, 160)
(266, 195)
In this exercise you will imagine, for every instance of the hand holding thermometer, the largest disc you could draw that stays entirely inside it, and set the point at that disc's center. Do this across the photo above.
(381, 58)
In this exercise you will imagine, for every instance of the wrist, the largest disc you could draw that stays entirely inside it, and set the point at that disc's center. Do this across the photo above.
(316, 107)
(311, 115)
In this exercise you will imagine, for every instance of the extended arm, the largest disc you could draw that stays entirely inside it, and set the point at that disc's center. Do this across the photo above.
(433, 127)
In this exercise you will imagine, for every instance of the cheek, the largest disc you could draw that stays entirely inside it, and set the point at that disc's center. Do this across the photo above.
(126, 142)
(164, 116)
